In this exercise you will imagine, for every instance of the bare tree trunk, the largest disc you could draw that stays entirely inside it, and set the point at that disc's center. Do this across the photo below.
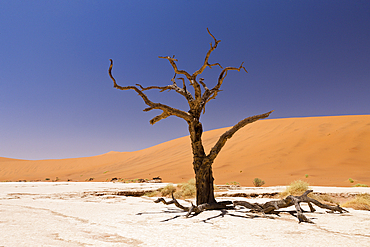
(204, 183)
(202, 165)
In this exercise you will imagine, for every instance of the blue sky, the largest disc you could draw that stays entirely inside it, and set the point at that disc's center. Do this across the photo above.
(304, 58)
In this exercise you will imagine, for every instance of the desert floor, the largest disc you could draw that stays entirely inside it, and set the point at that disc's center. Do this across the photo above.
(70, 214)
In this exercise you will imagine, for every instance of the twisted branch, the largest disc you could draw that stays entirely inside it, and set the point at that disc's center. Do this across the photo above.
(223, 74)
(271, 206)
(209, 95)
(205, 64)
(174, 66)
(265, 208)
(167, 110)
(194, 208)
(228, 134)
(192, 78)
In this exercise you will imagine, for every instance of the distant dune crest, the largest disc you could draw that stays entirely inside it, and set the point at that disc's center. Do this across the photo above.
(321, 150)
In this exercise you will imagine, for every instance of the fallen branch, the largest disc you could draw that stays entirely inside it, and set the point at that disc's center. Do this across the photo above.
(270, 207)
(197, 209)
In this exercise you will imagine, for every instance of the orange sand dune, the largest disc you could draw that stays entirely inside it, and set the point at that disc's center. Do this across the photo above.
(330, 150)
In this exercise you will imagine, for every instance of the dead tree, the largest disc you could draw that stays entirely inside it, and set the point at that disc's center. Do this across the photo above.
(202, 162)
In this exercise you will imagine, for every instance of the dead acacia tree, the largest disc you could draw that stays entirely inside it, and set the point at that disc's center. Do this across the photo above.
(202, 162)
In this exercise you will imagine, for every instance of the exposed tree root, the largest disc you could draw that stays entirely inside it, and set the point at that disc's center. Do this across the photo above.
(197, 209)
(265, 208)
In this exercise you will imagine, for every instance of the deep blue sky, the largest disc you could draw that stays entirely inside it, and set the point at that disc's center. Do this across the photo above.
(304, 58)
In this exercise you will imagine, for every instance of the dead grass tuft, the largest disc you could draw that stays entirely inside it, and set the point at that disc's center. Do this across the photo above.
(296, 188)
(325, 199)
(361, 202)
(155, 193)
(168, 190)
(186, 190)
(181, 191)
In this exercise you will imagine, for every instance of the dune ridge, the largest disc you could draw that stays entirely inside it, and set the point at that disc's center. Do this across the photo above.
(324, 151)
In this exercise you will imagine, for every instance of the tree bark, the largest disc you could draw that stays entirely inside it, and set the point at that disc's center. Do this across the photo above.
(204, 183)
(201, 165)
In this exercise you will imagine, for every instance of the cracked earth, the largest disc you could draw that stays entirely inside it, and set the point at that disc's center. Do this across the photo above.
(68, 215)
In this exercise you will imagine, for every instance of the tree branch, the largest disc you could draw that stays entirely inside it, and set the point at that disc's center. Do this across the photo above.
(174, 66)
(205, 64)
(271, 206)
(211, 65)
(223, 74)
(208, 95)
(162, 89)
(228, 134)
(197, 209)
(167, 110)
(203, 84)
(191, 78)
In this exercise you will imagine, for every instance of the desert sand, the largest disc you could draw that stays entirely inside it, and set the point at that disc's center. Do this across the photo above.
(69, 214)
(324, 151)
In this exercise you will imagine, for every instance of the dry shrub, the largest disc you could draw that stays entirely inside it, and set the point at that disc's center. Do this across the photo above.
(361, 202)
(296, 188)
(186, 190)
(168, 190)
(324, 198)
(257, 182)
(155, 193)
(181, 191)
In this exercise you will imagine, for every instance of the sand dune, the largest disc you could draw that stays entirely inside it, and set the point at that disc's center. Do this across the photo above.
(330, 150)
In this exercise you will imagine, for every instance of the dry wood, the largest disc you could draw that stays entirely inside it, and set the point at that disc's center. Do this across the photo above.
(270, 207)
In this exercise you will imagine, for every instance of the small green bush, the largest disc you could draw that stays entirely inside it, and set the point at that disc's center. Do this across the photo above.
(360, 185)
(257, 182)
(234, 183)
(350, 180)
(47, 179)
(306, 175)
